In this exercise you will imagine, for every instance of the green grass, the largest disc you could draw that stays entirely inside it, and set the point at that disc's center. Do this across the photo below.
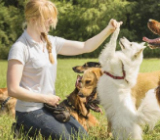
(64, 85)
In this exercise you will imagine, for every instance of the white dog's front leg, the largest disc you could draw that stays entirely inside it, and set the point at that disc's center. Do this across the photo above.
(110, 48)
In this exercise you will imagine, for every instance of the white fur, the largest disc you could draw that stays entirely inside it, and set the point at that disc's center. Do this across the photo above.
(115, 95)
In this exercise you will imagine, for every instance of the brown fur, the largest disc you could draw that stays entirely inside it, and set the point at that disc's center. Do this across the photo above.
(77, 108)
(158, 92)
(145, 81)
(89, 80)
(81, 69)
(154, 26)
(9, 107)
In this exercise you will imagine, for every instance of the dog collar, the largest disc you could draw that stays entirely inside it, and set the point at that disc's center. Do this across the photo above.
(3, 103)
(117, 77)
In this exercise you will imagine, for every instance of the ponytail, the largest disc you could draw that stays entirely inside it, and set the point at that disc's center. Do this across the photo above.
(49, 47)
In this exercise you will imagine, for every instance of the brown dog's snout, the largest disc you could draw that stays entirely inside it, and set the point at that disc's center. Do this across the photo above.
(78, 81)
(80, 94)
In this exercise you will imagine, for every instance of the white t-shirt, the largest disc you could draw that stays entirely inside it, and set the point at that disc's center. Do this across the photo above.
(39, 74)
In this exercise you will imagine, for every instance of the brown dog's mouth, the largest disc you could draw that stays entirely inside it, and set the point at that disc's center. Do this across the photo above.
(154, 27)
(152, 43)
(81, 95)
(94, 106)
(93, 103)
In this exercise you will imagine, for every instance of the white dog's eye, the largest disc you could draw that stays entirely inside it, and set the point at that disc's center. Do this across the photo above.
(130, 44)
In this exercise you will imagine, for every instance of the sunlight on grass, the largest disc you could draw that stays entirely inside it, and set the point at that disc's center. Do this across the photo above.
(65, 84)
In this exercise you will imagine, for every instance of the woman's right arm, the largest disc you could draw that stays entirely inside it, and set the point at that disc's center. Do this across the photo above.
(14, 74)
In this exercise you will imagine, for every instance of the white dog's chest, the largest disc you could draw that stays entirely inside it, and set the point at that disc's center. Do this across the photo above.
(115, 98)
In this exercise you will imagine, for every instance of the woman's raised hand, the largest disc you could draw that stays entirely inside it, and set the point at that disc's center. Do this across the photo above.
(113, 24)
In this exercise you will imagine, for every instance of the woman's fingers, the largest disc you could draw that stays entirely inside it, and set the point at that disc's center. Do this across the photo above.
(115, 23)
(53, 100)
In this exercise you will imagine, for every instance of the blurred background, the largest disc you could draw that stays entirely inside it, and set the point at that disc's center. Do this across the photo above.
(82, 19)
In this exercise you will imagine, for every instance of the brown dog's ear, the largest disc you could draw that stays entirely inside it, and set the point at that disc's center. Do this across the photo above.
(98, 72)
(157, 90)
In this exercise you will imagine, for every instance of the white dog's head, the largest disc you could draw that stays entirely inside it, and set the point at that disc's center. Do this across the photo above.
(132, 50)
(132, 56)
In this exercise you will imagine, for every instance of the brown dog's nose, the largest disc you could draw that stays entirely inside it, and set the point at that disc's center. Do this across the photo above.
(80, 94)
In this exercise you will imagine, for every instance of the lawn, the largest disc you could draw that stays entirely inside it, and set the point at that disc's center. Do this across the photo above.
(64, 85)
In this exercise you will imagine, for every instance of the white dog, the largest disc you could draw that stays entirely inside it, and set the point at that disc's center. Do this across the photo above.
(114, 88)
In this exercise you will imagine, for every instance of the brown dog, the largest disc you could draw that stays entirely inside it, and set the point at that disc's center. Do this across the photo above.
(7, 104)
(79, 107)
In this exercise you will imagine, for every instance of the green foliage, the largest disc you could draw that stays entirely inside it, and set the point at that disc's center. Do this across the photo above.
(11, 18)
(82, 19)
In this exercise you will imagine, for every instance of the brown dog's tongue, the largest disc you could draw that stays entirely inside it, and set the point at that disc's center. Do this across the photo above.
(151, 41)
(100, 110)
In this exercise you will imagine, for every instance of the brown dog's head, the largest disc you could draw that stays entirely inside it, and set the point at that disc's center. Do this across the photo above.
(89, 87)
(89, 81)
(81, 69)
(154, 27)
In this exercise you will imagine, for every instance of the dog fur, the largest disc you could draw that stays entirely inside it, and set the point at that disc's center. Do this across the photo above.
(9, 107)
(115, 94)
(77, 108)
(145, 82)
(154, 27)
(89, 81)
(81, 69)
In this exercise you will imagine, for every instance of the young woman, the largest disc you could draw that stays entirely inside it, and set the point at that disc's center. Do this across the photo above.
(32, 65)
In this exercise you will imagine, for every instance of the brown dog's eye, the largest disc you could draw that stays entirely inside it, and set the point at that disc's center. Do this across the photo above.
(88, 81)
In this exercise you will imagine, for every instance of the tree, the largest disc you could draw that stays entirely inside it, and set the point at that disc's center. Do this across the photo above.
(10, 26)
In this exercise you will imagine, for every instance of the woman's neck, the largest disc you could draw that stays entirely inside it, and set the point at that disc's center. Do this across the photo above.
(36, 36)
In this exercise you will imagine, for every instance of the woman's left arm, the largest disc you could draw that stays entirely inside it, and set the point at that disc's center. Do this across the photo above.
(77, 47)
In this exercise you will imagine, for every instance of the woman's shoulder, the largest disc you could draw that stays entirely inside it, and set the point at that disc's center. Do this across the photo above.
(57, 42)
(55, 38)
(20, 42)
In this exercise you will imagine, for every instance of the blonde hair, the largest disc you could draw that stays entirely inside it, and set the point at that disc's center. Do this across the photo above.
(42, 10)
